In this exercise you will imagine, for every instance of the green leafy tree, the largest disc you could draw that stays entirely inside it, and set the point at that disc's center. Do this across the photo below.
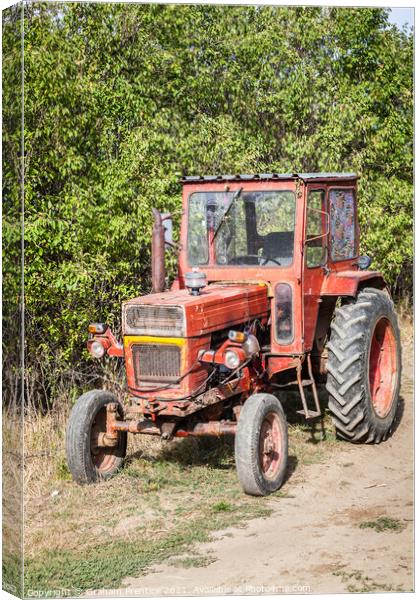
(119, 99)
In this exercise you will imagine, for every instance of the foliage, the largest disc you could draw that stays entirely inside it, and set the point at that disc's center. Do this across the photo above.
(11, 217)
(119, 99)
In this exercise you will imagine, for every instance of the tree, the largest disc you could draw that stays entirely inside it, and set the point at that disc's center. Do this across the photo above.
(119, 99)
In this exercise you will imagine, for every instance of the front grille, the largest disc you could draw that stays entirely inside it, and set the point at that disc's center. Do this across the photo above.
(156, 362)
(147, 319)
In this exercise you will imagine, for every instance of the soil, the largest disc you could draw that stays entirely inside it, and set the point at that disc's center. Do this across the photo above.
(313, 541)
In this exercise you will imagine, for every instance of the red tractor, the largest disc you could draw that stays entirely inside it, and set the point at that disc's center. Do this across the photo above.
(271, 295)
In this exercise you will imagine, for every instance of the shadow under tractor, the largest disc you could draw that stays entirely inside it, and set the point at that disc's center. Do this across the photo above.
(271, 295)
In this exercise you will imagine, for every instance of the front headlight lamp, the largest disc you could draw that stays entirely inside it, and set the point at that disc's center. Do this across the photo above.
(97, 349)
(232, 359)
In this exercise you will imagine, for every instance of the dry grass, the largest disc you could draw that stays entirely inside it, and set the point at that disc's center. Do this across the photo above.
(168, 496)
(406, 323)
(178, 478)
(12, 490)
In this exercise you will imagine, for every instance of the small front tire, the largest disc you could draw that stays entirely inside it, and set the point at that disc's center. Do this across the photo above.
(261, 445)
(88, 462)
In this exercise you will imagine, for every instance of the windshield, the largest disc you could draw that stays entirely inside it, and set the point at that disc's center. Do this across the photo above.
(257, 229)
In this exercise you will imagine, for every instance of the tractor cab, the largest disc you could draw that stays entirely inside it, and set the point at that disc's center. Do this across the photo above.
(296, 234)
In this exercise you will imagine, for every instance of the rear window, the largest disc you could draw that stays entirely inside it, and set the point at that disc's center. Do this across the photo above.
(342, 224)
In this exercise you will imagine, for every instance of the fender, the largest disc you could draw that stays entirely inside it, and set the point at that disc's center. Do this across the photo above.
(347, 283)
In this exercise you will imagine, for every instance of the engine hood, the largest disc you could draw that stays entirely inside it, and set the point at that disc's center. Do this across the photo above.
(218, 307)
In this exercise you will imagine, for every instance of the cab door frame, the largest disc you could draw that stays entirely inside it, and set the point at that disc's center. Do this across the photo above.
(313, 276)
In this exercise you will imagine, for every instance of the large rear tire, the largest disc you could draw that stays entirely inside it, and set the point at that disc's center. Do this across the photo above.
(364, 367)
(87, 461)
(261, 445)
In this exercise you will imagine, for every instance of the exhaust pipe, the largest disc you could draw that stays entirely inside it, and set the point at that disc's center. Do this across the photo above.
(158, 253)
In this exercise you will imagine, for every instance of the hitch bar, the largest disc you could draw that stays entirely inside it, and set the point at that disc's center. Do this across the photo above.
(216, 428)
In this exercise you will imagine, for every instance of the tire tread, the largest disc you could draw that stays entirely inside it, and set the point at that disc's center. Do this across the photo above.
(246, 444)
(347, 380)
(78, 437)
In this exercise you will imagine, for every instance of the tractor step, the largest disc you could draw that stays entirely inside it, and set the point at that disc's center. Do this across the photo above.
(302, 383)
(309, 414)
(306, 382)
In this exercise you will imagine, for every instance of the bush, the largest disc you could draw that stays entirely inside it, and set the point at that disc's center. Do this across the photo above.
(140, 93)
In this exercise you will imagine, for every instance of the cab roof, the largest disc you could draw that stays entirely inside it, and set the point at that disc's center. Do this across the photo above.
(269, 177)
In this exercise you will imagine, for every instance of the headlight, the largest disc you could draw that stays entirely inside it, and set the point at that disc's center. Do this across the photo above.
(232, 359)
(97, 349)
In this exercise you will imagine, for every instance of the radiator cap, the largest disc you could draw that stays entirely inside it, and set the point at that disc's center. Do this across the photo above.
(195, 281)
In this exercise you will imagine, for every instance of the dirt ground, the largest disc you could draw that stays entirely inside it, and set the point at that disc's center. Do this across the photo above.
(320, 536)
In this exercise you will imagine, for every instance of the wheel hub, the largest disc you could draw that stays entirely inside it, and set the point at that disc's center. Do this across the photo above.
(270, 445)
(382, 367)
(102, 450)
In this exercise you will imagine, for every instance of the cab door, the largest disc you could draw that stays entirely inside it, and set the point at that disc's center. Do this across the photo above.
(314, 258)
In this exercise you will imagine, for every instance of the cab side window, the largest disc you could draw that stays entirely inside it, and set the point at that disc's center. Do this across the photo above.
(315, 219)
(342, 227)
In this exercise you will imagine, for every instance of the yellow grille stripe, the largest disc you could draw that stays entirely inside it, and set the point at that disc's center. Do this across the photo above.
(147, 339)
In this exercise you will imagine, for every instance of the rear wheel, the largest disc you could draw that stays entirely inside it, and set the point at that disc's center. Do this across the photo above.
(364, 367)
(87, 461)
(261, 445)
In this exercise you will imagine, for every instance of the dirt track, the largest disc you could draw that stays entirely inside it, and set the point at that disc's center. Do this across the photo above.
(313, 541)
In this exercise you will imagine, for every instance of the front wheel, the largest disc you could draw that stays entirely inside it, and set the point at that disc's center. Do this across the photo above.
(261, 445)
(87, 461)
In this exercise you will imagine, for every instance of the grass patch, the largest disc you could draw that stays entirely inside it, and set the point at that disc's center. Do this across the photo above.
(133, 472)
(222, 507)
(63, 473)
(357, 582)
(108, 564)
(12, 573)
(189, 562)
(383, 524)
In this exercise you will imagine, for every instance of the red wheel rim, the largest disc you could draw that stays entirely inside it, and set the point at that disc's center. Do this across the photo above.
(382, 367)
(102, 458)
(270, 446)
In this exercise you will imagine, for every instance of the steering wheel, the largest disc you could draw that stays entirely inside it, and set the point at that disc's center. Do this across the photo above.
(245, 258)
(267, 258)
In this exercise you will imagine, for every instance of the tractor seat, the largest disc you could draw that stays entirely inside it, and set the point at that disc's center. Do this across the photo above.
(278, 245)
